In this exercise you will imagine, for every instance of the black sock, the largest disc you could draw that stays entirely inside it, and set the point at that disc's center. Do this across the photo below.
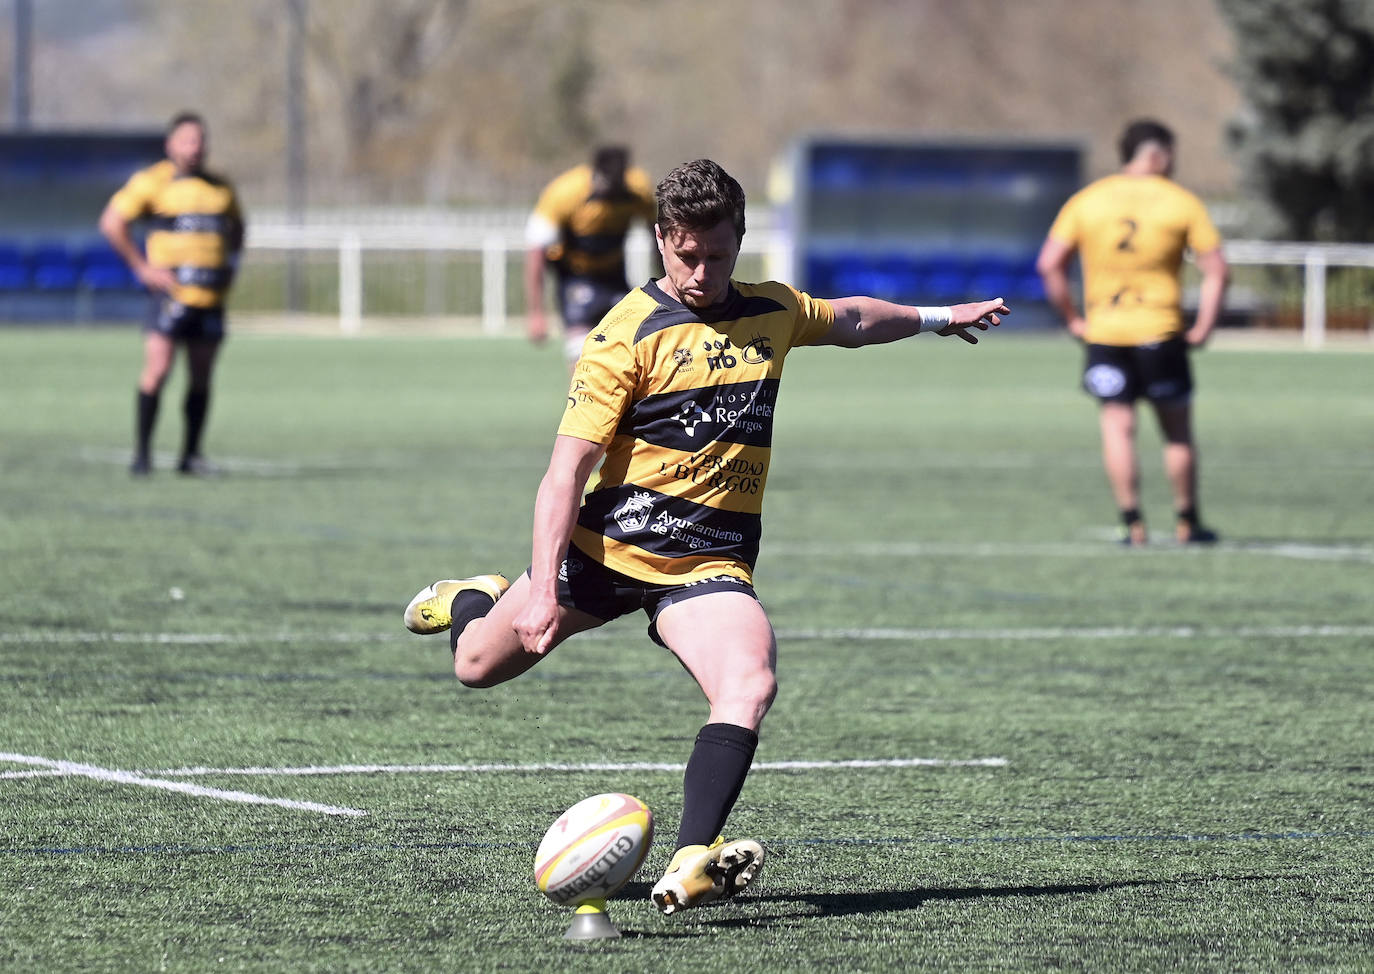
(715, 774)
(1131, 517)
(467, 605)
(1189, 516)
(145, 414)
(195, 407)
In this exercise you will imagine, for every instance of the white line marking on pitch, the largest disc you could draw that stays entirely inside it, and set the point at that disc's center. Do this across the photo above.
(143, 781)
(1070, 549)
(240, 465)
(1064, 632)
(540, 768)
(1026, 634)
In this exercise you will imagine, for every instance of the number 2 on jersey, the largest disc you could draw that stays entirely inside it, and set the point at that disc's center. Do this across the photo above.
(1127, 241)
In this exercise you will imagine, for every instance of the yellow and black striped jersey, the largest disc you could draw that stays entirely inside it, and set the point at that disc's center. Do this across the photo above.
(582, 232)
(194, 227)
(1131, 232)
(684, 400)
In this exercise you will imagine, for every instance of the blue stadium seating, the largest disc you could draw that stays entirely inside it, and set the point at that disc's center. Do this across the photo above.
(69, 278)
(925, 279)
(106, 276)
(54, 267)
(104, 270)
(944, 279)
(1029, 287)
(14, 268)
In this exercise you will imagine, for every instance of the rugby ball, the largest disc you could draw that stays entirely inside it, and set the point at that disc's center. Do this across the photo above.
(593, 849)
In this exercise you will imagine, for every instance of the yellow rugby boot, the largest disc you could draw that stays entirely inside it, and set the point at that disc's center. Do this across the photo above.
(700, 874)
(429, 612)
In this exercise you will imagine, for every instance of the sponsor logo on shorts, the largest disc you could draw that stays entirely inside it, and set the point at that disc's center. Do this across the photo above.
(1104, 381)
(1165, 389)
(571, 567)
(730, 579)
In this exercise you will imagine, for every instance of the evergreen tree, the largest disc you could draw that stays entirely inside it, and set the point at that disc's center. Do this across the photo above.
(1305, 140)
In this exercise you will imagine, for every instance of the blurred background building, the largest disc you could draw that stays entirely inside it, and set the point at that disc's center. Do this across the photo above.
(402, 113)
(453, 101)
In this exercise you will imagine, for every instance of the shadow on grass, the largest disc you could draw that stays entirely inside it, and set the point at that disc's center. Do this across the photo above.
(765, 910)
(892, 901)
(812, 905)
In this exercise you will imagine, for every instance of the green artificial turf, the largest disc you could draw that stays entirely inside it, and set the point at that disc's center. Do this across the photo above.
(1157, 759)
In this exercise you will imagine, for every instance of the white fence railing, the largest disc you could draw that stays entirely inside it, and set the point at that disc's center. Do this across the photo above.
(494, 253)
(473, 270)
(1315, 259)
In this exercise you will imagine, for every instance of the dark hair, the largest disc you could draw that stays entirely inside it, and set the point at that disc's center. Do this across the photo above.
(184, 118)
(697, 196)
(611, 160)
(1141, 131)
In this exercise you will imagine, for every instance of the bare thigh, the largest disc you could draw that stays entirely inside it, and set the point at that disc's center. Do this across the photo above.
(158, 352)
(1117, 420)
(489, 650)
(726, 642)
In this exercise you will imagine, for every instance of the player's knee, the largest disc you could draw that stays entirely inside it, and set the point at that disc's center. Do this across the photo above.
(756, 691)
(749, 701)
(476, 662)
(472, 672)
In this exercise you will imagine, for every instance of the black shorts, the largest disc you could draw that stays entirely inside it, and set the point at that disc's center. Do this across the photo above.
(1125, 373)
(591, 587)
(584, 301)
(181, 322)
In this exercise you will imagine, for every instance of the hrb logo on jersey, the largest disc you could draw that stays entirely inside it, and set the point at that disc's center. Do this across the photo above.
(756, 352)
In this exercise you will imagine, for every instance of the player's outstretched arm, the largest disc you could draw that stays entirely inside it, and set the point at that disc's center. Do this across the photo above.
(863, 321)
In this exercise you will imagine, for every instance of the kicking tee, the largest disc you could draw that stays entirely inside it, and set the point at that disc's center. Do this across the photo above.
(683, 399)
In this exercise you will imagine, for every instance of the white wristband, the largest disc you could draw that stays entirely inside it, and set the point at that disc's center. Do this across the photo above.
(933, 319)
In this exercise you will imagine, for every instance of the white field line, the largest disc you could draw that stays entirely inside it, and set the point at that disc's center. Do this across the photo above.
(242, 465)
(1068, 549)
(254, 466)
(1025, 634)
(31, 774)
(1031, 634)
(625, 767)
(185, 788)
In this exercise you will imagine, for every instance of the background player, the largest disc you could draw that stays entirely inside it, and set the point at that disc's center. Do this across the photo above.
(195, 233)
(1130, 230)
(676, 389)
(578, 230)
